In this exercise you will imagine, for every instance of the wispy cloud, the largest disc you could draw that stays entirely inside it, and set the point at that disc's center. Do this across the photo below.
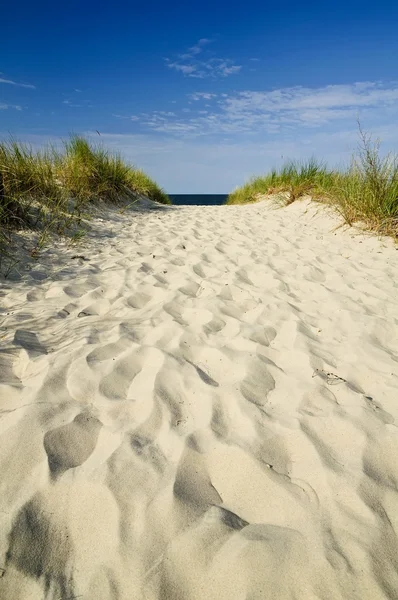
(128, 117)
(10, 82)
(309, 106)
(120, 116)
(190, 65)
(196, 49)
(333, 97)
(256, 112)
(7, 106)
(72, 104)
(201, 96)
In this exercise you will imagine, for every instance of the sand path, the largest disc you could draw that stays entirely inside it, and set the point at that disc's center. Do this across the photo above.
(205, 406)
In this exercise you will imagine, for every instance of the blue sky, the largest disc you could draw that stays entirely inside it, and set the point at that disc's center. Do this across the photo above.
(202, 95)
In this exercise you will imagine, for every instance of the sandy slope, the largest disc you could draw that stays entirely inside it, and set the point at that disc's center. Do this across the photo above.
(206, 408)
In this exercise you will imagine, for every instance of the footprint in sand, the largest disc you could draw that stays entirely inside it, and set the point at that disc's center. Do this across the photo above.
(71, 445)
(30, 342)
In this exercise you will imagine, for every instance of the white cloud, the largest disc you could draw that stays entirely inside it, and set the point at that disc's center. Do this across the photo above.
(71, 104)
(165, 113)
(128, 117)
(7, 106)
(10, 82)
(189, 65)
(197, 49)
(308, 106)
(331, 96)
(226, 68)
(185, 69)
(201, 96)
(286, 109)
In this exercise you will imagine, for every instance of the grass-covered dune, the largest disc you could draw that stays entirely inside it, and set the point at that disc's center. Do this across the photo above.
(49, 190)
(365, 192)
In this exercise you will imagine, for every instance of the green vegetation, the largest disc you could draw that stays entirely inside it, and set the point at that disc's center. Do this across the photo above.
(49, 191)
(295, 178)
(90, 174)
(366, 192)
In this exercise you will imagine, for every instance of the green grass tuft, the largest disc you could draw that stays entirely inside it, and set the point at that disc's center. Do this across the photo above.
(91, 174)
(141, 183)
(368, 191)
(294, 178)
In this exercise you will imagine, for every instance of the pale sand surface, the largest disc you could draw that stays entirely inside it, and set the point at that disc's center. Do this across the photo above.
(168, 427)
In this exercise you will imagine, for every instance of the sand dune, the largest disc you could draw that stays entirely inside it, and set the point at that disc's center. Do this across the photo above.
(204, 405)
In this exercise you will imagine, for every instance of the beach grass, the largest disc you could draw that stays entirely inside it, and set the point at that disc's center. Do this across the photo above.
(49, 190)
(366, 192)
(295, 178)
(90, 173)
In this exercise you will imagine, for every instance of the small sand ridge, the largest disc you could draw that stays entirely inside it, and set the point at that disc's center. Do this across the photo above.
(202, 403)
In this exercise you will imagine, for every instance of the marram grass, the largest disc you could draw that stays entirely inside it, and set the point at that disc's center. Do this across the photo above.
(48, 190)
(365, 192)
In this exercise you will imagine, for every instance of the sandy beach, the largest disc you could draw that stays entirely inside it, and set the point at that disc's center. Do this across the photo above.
(202, 403)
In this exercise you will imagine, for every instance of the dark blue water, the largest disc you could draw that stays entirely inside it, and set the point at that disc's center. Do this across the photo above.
(198, 199)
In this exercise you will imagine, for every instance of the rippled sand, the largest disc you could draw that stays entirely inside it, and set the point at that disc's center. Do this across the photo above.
(202, 406)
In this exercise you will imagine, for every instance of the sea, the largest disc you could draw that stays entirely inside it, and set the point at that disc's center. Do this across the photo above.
(198, 199)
